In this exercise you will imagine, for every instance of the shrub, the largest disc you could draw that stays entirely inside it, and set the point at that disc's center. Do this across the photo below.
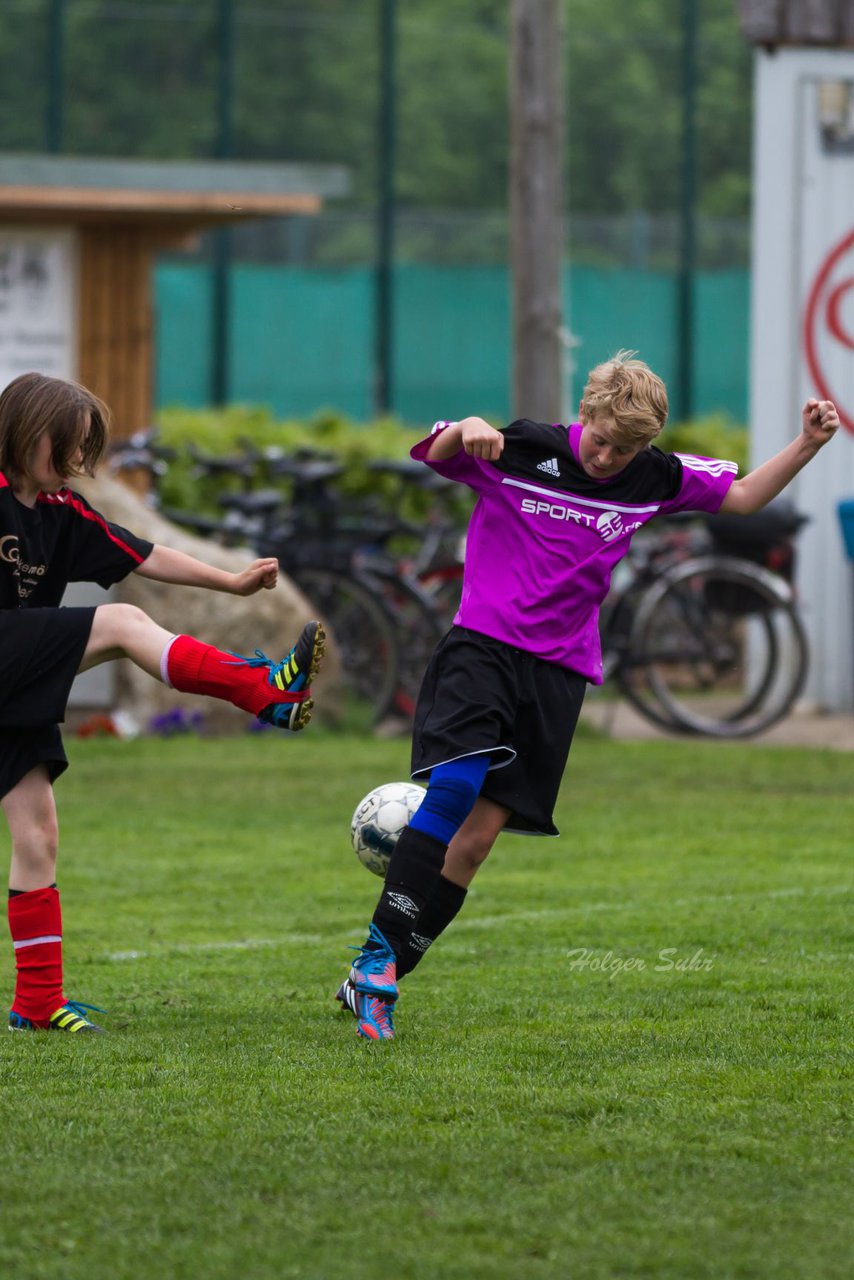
(226, 432)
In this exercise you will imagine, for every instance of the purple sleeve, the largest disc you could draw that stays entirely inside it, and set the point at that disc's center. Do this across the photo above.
(705, 483)
(476, 473)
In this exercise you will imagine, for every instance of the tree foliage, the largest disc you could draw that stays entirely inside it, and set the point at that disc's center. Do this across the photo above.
(143, 79)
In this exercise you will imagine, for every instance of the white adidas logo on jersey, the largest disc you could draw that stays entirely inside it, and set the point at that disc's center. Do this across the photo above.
(551, 468)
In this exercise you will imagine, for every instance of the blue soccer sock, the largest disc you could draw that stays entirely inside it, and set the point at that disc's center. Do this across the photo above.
(450, 797)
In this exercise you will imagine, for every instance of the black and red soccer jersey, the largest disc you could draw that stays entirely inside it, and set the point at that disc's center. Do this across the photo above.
(61, 539)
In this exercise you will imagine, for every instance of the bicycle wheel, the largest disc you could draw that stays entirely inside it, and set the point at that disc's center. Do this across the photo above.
(364, 633)
(721, 646)
(419, 628)
(443, 584)
(621, 661)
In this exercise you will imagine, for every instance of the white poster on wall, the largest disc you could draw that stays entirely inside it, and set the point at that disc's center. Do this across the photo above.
(38, 302)
(803, 324)
(39, 332)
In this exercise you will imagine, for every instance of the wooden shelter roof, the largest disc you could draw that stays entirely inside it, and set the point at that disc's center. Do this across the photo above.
(171, 194)
(810, 23)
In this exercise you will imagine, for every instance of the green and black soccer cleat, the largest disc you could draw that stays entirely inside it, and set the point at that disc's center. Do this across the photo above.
(68, 1017)
(290, 680)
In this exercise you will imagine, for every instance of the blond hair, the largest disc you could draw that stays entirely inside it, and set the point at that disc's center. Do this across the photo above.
(626, 390)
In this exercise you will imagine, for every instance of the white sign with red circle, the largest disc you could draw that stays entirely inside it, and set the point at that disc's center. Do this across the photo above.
(829, 329)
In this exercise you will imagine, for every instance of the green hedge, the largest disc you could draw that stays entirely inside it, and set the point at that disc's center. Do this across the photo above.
(222, 432)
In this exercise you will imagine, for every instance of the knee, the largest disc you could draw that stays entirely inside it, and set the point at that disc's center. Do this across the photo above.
(47, 836)
(114, 623)
(35, 840)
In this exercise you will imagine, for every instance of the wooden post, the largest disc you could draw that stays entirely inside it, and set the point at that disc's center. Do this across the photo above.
(116, 322)
(536, 223)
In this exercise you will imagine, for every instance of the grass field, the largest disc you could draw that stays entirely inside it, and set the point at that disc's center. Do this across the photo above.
(630, 1057)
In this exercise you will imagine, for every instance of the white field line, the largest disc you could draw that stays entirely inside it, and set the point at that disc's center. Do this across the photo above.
(194, 948)
(472, 922)
(589, 908)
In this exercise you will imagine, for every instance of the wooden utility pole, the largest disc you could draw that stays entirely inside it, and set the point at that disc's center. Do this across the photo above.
(536, 223)
(386, 209)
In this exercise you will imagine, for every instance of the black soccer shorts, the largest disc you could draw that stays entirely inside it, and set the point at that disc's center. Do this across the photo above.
(40, 654)
(482, 696)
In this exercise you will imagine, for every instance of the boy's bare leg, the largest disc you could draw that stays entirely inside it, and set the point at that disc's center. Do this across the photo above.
(466, 853)
(31, 816)
(471, 845)
(34, 912)
(124, 631)
(278, 693)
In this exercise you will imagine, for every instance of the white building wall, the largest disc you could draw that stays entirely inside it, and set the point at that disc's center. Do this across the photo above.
(803, 217)
(39, 323)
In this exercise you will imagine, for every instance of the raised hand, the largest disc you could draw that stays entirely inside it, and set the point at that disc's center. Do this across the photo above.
(820, 421)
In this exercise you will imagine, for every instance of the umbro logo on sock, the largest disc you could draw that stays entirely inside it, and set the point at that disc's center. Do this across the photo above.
(550, 467)
(402, 903)
(418, 942)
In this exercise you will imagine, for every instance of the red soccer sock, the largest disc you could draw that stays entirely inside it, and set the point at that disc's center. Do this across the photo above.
(35, 922)
(193, 667)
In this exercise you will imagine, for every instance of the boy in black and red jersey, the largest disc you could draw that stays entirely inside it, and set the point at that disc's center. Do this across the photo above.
(51, 430)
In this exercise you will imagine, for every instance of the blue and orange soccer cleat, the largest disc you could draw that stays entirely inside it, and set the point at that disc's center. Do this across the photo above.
(68, 1017)
(374, 971)
(373, 1015)
(291, 679)
(374, 1018)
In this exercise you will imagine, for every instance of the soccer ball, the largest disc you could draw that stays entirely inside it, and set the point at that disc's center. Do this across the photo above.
(379, 819)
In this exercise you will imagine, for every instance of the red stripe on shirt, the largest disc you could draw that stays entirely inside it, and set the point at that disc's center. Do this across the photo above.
(66, 498)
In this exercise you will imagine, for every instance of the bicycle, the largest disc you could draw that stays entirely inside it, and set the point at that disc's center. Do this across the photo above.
(701, 641)
(333, 548)
(436, 559)
(336, 549)
(700, 631)
(702, 634)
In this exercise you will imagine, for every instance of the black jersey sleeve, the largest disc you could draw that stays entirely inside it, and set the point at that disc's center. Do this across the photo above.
(99, 550)
(662, 473)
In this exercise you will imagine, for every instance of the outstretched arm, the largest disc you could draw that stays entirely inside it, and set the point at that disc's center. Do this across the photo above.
(819, 424)
(165, 564)
(476, 436)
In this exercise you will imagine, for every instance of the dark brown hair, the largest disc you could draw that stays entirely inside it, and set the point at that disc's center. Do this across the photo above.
(34, 404)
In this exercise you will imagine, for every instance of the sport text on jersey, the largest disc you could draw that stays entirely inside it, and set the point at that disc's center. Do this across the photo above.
(609, 520)
(610, 525)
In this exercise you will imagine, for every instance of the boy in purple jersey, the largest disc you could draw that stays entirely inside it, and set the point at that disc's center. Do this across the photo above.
(557, 508)
(50, 536)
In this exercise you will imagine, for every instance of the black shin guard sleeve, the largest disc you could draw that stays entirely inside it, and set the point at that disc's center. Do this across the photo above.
(439, 910)
(415, 866)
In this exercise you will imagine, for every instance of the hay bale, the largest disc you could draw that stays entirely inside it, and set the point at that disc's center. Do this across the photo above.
(269, 620)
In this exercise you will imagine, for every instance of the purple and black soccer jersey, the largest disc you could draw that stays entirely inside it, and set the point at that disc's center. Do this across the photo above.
(544, 536)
